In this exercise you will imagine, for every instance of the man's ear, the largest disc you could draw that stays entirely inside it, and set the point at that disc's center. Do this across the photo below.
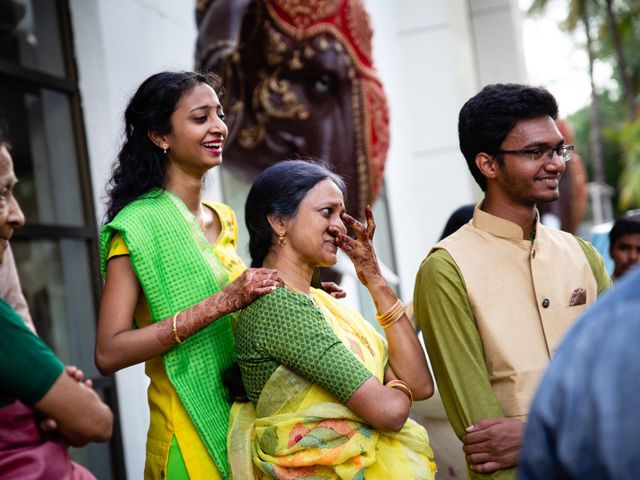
(158, 140)
(487, 164)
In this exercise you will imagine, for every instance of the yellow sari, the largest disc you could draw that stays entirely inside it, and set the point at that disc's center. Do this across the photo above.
(299, 430)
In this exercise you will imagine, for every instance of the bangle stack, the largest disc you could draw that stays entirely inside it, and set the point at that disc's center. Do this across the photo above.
(175, 327)
(392, 315)
(403, 387)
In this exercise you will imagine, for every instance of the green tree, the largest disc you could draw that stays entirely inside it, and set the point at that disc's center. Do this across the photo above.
(580, 15)
(630, 178)
(608, 130)
(613, 31)
(619, 41)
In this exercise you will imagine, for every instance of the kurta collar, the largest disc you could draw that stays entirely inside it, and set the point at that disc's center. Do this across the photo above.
(499, 226)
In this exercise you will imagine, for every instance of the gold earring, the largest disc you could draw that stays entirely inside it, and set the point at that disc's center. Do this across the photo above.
(281, 240)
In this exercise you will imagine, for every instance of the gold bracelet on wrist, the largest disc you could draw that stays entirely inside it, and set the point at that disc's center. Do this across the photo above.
(403, 387)
(392, 315)
(175, 327)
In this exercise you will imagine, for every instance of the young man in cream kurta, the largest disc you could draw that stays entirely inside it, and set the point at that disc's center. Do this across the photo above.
(495, 298)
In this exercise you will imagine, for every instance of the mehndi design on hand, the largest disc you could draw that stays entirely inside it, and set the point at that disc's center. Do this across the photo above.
(251, 284)
(360, 249)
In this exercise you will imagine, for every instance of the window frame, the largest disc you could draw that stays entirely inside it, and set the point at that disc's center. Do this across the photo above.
(26, 79)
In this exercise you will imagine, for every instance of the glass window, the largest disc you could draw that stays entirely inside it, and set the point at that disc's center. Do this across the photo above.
(55, 277)
(56, 251)
(43, 151)
(30, 37)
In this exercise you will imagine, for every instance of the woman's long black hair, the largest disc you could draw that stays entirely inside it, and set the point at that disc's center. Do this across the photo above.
(141, 165)
(279, 190)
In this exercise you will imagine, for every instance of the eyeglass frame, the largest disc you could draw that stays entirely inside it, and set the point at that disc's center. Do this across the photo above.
(544, 151)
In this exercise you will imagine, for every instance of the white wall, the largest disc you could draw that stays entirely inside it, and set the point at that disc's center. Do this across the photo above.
(497, 27)
(424, 56)
(432, 56)
(119, 43)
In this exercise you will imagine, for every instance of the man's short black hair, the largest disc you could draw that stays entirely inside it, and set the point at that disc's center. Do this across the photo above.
(488, 117)
(625, 225)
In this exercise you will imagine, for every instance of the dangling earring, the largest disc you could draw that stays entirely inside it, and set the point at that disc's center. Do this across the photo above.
(165, 149)
(281, 240)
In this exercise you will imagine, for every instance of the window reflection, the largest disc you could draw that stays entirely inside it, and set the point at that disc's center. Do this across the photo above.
(55, 277)
(29, 35)
(44, 155)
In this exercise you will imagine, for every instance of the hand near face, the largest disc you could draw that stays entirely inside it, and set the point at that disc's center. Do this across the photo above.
(360, 249)
(253, 283)
(493, 443)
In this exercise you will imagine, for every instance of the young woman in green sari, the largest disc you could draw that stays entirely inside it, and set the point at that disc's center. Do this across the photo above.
(330, 397)
(173, 275)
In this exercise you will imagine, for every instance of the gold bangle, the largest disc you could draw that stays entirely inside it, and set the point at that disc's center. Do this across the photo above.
(393, 319)
(175, 327)
(403, 387)
(392, 315)
(382, 317)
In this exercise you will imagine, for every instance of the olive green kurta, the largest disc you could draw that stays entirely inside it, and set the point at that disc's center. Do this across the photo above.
(445, 314)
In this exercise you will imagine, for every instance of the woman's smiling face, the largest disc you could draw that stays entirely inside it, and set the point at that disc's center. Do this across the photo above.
(197, 130)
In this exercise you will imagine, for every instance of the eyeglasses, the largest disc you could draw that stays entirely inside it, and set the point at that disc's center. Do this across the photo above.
(542, 154)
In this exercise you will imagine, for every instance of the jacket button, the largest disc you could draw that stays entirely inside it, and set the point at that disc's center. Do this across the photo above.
(545, 302)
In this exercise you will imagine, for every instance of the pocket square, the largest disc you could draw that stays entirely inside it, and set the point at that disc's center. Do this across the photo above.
(578, 297)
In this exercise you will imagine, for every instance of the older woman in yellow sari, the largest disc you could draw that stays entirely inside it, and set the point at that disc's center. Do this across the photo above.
(329, 396)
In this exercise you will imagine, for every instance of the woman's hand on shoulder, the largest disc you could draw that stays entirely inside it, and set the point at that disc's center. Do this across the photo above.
(251, 284)
(360, 249)
(333, 289)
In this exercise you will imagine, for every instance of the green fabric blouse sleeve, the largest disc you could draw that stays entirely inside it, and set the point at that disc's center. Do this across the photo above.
(603, 280)
(290, 329)
(454, 346)
(28, 368)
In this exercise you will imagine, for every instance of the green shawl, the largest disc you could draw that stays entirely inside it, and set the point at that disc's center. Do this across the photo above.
(177, 268)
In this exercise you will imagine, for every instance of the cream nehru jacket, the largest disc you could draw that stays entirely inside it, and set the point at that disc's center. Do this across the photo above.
(524, 296)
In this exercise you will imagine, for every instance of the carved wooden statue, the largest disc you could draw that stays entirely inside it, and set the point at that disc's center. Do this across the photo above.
(299, 81)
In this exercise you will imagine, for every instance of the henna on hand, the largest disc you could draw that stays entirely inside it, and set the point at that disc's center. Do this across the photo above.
(164, 332)
(251, 284)
(360, 249)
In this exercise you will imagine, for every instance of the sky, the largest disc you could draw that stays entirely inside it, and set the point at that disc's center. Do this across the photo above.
(557, 60)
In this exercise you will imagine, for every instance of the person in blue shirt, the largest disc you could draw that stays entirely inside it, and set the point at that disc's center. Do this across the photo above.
(585, 421)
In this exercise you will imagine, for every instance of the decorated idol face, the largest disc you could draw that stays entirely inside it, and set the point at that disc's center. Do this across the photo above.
(299, 83)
